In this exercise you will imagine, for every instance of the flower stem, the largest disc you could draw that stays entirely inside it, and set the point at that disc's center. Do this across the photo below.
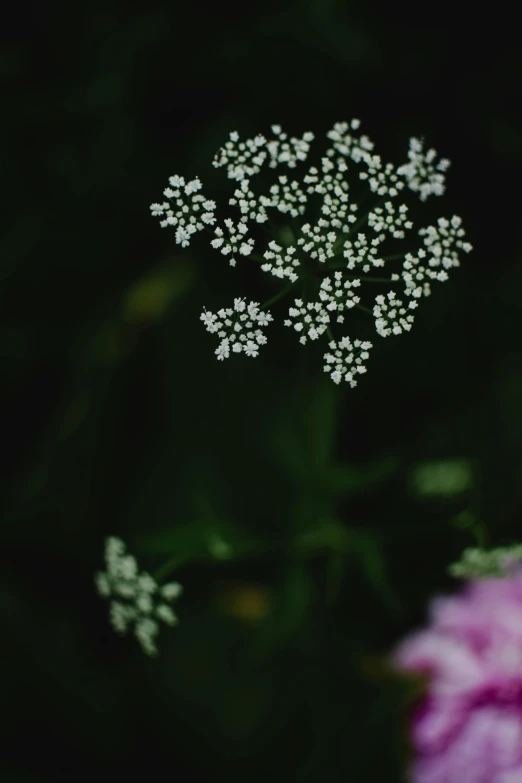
(365, 279)
(393, 257)
(277, 296)
(329, 536)
(364, 309)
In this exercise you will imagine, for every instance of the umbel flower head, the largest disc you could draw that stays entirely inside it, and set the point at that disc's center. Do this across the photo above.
(137, 601)
(326, 251)
(469, 724)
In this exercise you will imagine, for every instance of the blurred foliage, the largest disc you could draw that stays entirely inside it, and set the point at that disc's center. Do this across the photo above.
(304, 544)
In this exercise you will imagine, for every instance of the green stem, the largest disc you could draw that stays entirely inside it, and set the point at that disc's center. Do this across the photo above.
(364, 309)
(365, 279)
(170, 565)
(277, 296)
(329, 537)
(393, 257)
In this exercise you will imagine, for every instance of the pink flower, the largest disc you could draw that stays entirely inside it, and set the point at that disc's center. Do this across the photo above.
(468, 728)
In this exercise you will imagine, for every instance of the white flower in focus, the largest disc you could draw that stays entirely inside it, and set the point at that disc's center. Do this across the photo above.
(121, 580)
(319, 238)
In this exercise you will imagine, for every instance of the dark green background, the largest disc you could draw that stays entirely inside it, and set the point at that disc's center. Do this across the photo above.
(118, 420)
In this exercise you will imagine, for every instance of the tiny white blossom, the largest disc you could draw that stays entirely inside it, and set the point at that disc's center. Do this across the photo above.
(193, 186)
(166, 614)
(171, 590)
(158, 209)
(146, 631)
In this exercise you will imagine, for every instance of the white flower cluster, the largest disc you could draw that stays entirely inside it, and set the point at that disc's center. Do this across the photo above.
(317, 243)
(416, 275)
(324, 241)
(288, 151)
(242, 159)
(422, 174)
(361, 252)
(391, 316)
(281, 263)
(310, 318)
(351, 146)
(190, 211)
(246, 158)
(443, 241)
(496, 563)
(335, 295)
(238, 328)
(345, 360)
(390, 219)
(236, 241)
(137, 600)
(286, 196)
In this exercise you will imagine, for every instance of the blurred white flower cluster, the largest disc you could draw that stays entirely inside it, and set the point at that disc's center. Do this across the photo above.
(137, 601)
(476, 563)
(320, 242)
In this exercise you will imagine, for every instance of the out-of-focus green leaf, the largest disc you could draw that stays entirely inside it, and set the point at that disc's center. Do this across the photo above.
(443, 478)
(200, 539)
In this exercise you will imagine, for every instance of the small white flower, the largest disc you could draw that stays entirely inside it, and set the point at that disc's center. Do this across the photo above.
(223, 351)
(146, 631)
(102, 585)
(171, 591)
(193, 186)
(165, 613)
